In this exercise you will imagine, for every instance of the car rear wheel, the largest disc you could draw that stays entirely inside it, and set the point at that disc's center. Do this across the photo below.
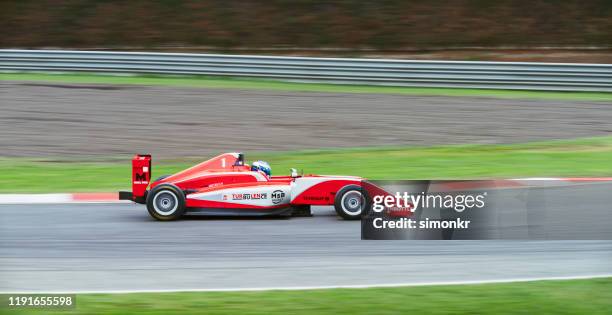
(349, 202)
(166, 202)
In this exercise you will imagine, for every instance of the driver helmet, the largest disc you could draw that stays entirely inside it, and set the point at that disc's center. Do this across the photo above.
(261, 166)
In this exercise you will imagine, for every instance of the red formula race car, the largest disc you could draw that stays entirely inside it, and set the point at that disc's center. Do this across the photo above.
(225, 185)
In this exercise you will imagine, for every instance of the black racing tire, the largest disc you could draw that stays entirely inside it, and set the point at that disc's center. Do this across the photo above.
(166, 202)
(161, 177)
(350, 202)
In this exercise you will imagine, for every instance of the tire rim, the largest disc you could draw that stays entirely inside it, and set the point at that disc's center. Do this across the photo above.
(165, 202)
(352, 202)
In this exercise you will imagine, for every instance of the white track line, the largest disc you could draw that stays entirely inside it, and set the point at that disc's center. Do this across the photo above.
(12, 199)
(358, 286)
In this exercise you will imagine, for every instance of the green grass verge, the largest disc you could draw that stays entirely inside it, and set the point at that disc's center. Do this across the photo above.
(580, 157)
(216, 82)
(593, 296)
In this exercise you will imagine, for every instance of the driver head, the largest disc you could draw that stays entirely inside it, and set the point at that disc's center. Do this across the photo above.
(262, 166)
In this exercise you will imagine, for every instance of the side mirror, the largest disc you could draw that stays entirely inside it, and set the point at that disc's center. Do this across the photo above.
(294, 173)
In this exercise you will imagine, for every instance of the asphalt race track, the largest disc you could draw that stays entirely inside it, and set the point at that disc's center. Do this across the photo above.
(104, 247)
(71, 120)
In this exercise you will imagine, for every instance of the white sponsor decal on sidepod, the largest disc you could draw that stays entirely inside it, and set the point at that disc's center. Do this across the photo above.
(237, 195)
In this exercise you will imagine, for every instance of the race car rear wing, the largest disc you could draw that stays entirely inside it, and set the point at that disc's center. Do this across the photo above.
(141, 177)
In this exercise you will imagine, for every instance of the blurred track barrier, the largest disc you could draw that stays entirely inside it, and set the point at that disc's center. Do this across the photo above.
(388, 72)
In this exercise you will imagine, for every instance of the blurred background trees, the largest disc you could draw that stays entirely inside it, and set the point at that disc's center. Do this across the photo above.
(332, 26)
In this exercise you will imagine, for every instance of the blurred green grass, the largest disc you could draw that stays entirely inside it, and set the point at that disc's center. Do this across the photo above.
(592, 296)
(237, 83)
(566, 158)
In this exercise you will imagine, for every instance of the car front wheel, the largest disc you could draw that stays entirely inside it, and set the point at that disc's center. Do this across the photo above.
(349, 202)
